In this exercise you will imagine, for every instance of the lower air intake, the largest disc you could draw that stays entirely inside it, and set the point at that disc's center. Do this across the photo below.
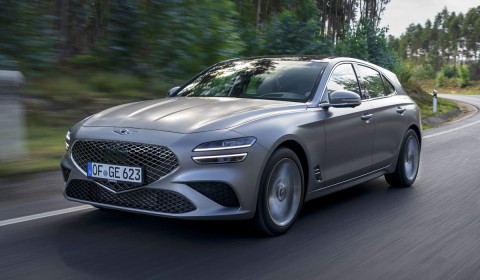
(65, 173)
(219, 192)
(142, 199)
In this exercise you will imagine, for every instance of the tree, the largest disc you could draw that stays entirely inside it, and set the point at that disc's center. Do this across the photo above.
(288, 35)
(369, 43)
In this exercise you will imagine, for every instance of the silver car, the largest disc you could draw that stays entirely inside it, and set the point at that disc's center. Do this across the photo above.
(248, 139)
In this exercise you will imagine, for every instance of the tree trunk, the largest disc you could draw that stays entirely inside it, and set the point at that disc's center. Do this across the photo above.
(62, 15)
(259, 10)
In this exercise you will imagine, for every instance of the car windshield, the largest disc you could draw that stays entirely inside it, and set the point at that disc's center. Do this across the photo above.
(265, 79)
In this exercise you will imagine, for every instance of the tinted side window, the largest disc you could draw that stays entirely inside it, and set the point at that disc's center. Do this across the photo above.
(372, 82)
(388, 86)
(343, 78)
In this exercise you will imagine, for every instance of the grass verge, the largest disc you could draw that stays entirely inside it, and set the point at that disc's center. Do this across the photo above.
(54, 102)
(425, 101)
(45, 145)
(450, 86)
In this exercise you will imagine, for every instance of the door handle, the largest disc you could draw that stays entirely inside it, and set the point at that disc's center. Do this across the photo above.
(400, 110)
(366, 117)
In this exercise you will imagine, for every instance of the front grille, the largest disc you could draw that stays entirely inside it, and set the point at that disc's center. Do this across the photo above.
(157, 161)
(143, 199)
(219, 192)
(65, 173)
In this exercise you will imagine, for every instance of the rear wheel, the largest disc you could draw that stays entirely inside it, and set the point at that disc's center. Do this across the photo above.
(407, 163)
(281, 193)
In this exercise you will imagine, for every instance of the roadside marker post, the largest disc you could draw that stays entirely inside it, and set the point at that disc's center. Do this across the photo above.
(434, 101)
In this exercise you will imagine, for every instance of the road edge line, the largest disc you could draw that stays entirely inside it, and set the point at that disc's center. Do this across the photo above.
(451, 130)
(43, 215)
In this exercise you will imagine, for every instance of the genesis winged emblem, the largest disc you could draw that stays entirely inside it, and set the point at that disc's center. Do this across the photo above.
(124, 131)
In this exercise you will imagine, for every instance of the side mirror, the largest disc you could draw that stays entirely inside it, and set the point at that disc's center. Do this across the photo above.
(342, 99)
(172, 91)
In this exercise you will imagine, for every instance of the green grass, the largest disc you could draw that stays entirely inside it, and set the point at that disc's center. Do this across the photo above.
(45, 145)
(425, 101)
(450, 86)
(84, 86)
(443, 106)
(425, 127)
(55, 102)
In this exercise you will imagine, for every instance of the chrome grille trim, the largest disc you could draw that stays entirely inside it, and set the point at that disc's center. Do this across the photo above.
(157, 161)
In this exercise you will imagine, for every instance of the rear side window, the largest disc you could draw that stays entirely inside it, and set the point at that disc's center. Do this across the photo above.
(388, 86)
(371, 82)
(343, 78)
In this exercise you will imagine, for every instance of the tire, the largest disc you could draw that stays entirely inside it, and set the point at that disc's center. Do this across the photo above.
(407, 163)
(281, 193)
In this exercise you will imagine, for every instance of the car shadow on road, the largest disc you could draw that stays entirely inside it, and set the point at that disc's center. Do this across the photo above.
(119, 245)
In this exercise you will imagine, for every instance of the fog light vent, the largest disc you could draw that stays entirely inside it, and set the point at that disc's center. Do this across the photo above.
(65, 173)
(219, 192)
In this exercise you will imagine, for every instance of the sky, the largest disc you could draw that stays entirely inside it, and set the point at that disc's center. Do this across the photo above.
(399, 14)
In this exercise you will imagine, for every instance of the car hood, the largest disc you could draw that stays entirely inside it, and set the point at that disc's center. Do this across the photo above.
(190, 114)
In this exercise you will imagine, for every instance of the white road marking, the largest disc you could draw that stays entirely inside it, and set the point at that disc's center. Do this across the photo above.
(43, 215)
(451, 130)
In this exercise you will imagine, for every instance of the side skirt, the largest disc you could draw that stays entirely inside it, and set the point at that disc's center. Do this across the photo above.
(346, 184)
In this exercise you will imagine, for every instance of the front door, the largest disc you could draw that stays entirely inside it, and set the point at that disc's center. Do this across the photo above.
(349, 132)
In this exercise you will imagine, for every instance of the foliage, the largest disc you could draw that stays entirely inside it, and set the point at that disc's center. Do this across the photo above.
(404, 71)
(423, 72)
(439, 45)
(123, 34)
(288, 35)
(441, 78)
(448, 71)
(474, 69)
(88, 60)
(25, 37)
(174, 37)
(368, 42)
(463, 76)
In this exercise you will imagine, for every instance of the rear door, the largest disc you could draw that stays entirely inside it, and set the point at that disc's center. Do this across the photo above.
(349, 131)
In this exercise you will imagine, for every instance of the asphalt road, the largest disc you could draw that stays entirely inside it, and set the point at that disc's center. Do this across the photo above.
(372, 231)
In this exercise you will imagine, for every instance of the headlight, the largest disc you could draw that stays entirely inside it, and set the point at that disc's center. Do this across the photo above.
(237, 143)
(67, 140)
(220, 158)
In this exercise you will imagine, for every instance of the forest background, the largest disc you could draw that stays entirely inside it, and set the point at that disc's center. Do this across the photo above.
(81, 56)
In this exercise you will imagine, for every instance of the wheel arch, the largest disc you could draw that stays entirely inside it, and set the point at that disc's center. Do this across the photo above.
(302, 156)
(415, 128)
(417, 131)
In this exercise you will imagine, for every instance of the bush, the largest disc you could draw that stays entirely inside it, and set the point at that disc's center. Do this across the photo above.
(424, 72)
(448, 71)
(474, 70)
(88, 60)
(441, 79)
(115, 83)
(463, 76)
(404, 71)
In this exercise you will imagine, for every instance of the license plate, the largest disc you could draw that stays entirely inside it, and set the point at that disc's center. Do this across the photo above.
(115, 173)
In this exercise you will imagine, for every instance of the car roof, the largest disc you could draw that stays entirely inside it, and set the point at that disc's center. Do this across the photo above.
(319, 58)
(287, 58)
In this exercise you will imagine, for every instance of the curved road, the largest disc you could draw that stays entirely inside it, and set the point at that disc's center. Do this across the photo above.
(429, 231)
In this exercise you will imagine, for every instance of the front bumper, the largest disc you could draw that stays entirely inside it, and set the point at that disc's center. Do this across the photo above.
(192, 191)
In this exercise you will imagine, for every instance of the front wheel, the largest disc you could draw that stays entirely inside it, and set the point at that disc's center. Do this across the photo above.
(281, 193)
(407, 163)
